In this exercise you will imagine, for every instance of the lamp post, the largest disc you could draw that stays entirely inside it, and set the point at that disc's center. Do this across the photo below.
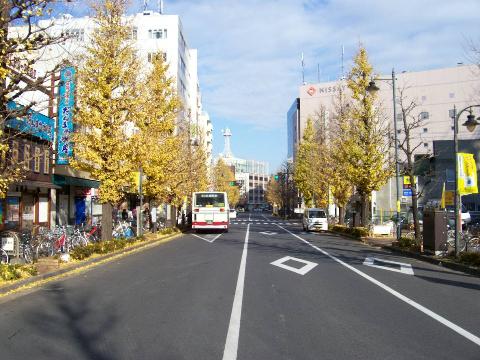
(372, 88)
(470, 124)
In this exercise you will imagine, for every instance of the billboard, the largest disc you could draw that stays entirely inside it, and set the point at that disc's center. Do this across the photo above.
(33, 123)
(66, 103)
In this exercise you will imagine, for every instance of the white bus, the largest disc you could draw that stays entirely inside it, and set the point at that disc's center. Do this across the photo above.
(210, 210)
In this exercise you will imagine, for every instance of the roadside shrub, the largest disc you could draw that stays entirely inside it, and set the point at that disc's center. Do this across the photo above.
(357, 232)
(404, 242)
(82, 252)
(470, 258)
(9, 272)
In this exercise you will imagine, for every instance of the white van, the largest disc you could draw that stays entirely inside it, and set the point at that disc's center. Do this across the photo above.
(314, 219)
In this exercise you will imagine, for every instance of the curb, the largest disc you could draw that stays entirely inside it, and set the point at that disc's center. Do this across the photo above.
(444, 263)
(6, 289)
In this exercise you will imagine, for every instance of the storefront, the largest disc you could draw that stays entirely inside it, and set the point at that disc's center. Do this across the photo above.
(77, 200)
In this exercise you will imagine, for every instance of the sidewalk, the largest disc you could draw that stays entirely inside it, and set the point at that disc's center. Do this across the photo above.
(73, 268)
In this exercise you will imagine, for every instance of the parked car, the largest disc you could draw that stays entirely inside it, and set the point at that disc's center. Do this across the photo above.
(314, 219)
(233, 214)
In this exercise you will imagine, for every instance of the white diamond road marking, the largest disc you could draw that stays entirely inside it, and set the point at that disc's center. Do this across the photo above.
(404, 268)
(209, 237)
(302, 271)
(268, 233)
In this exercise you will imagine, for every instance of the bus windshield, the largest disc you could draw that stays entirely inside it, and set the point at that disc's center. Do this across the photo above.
(210, 200)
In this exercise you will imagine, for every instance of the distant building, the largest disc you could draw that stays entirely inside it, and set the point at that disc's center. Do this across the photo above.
(436, 92)
(251, 175)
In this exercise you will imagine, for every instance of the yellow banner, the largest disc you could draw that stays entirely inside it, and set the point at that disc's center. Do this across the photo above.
(467, 174)
(449, 198)
(406, 180)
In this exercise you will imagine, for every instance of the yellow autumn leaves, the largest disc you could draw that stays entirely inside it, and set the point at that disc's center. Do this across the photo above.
(353, 153)
(129, 117)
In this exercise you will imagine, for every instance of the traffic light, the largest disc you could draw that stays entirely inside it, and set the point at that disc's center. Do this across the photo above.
(232, 183)
(276, 177)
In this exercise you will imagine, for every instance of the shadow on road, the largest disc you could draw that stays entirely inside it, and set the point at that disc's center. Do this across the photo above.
(72, 327)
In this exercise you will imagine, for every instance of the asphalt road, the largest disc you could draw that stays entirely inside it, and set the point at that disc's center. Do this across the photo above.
(218, 296)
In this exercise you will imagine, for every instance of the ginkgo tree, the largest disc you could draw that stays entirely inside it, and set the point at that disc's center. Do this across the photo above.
(224, 180)
(108, 101)
(365, 137)
(157, 146)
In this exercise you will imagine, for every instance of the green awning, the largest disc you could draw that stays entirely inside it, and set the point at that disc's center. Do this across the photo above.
(68, 180)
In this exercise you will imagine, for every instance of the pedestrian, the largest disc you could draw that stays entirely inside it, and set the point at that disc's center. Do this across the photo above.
(124, 214)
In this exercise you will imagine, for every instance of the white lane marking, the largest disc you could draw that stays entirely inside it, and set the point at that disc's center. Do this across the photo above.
(308, 265)
(249, 216)
(265, 223)
(208, 240)
(231, 344)
(268, 233)
(468, 335)
(404, 268)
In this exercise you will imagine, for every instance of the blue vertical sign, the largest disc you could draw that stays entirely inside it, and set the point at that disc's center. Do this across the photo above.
(66, 103)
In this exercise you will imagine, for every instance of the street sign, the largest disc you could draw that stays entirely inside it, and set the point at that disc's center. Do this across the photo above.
(407, 192)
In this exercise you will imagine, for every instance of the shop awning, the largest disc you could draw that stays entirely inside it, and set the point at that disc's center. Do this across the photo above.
(39, 184)
(68, 180)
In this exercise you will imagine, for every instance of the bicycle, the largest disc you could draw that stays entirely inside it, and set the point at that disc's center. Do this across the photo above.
(122, 230)
(3, 256)
(465, 241)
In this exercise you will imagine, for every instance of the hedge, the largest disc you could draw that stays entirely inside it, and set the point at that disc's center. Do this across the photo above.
(357, 232)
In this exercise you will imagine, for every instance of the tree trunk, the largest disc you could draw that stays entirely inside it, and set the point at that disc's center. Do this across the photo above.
(364, 211)
(341, 215)
(107, 221)
(416, 222)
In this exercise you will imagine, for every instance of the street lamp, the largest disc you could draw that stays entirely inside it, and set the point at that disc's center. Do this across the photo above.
(373, 88)
(470, 124)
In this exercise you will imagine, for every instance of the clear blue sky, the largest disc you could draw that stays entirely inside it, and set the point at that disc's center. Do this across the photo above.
(249, 53)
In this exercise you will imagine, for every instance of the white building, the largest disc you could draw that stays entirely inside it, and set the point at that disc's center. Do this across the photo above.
(435, 93)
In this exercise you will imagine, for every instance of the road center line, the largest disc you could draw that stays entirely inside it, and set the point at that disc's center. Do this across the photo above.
(231, 344)
(468, 335)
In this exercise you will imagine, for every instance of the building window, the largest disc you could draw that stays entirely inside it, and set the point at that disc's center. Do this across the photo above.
(46, 162)
(453, 127)
(15, 152)
(75, 34)
(399, 117)
(451, 95)
(424, 98)
(399, 131)
(451, 113)
(423, 115)
(425, 130)
(152, 56)
(133, 34)
(425, 144)
(26, 157)
(36, 160)
(157, 34)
